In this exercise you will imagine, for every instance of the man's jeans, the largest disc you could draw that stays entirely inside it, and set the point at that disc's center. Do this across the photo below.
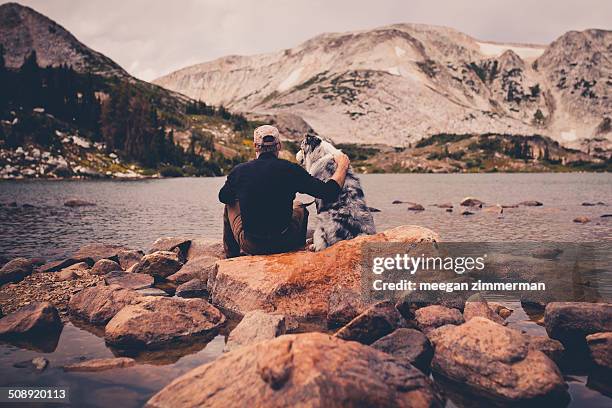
(236, 242)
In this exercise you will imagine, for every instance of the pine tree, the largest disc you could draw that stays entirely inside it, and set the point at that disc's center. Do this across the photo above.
(4, 94)
(30, 82)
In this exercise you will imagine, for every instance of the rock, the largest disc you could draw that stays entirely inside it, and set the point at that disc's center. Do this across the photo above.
(35, 319)
(202, 247)
(375, 322)
(416, 207)
(408, 345)
(104, 266)
(195, 268)
(571, 322)
(552, 348)
(449, 210)
(547, 253)
(412, 301)
(40, 363)
(74, 271)
(477, 305)
(195, 288)
(129, 280)
(600, 349)
(531, 203)
(503, 311)
(95, 252)
(128, 258)
(15, 270)
(509, 205)
(159, 264)
(101, 364)
(157, 321)
(172, 244)
(397, 202)
(78, 203)
(152, 292)
(495, 361)
(444, 205)
(98, 304)
(55, 266)
(343, 306)
(310, 370)
(434, 316)
(466, 212)
(606, 216)
(254, 327)
(299, 283)
(471, 202)
(582, 219)
(372, 209)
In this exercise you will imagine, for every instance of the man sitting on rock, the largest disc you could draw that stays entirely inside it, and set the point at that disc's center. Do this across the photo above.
(261, 216)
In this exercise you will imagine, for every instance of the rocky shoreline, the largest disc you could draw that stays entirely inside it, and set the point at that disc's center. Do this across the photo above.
(304, 334)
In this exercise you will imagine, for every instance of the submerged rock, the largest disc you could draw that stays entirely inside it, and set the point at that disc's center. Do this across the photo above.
(407, 345)
(157, 321)
(582, 219)
(35, 319)
(98, 304)
(104, 266)
(471, 202)
(159, 264)
(101, 364)
(254, 327)
(600, 349)
(495, 361)
(40, 363)
(312, 369)
(571, 322)
(434, 316)
(78, 203)
(344, 305)
(299, 283)
(375, 322)
(15, 270)
(531, 203)
(416, 207)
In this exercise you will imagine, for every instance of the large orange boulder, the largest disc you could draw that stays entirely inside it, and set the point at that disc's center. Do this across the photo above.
(299, 283)
(307, 370)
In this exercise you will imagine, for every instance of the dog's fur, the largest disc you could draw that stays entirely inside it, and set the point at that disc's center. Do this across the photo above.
(348, 216)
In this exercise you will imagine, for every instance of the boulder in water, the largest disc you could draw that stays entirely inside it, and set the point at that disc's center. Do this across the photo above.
(375, 322)
(408, 345)
(35, 319)
(531, 203)
(15, 270)
(100, 364)
(75, 202)
(310, 369)
(158, 321)
(600, 349)
(571, 322)
(98, 304)
(495, 361)
(582, 219)
(471, 202)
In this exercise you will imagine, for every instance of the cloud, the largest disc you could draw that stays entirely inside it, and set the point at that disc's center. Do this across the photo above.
(151, 39)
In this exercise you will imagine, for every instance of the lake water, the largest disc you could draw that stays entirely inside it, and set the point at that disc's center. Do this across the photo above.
(135, 213)
(34, 222)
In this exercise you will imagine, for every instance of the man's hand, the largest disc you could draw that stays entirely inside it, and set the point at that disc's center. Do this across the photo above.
(342, 165)
(342, 161)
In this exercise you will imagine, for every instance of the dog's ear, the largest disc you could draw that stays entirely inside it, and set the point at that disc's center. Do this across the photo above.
(312, 140)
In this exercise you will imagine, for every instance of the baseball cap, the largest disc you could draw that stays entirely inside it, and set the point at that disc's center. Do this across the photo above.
(266, 138)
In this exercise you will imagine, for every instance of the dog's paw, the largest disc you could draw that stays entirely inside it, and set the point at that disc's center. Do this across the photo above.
(311, 248)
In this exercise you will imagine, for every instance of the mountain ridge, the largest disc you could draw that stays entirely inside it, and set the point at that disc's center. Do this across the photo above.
(403, 82)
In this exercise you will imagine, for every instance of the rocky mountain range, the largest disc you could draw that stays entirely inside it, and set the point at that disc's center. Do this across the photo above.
(398, 84)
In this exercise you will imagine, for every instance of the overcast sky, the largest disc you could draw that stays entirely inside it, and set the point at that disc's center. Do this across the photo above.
(152, 38)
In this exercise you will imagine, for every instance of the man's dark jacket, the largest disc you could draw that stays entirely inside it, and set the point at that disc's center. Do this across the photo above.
(266, 187)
